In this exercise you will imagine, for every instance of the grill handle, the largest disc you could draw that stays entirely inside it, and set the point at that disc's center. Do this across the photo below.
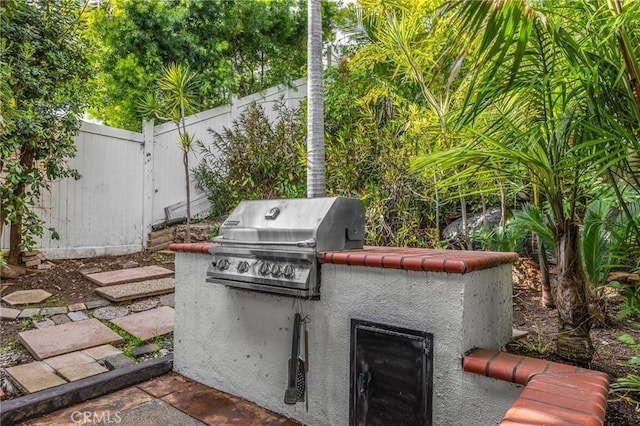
(291, 394)
(304, 243)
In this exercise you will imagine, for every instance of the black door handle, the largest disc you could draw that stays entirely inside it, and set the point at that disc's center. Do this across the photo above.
(363, 382)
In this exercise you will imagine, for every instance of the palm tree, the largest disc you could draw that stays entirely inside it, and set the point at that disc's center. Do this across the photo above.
(315, 110)
(535, 97)
(177, 99)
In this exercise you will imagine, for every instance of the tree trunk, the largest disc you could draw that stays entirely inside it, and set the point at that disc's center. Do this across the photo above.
(15, 232)
(185, 161)
(15, 238)
(315, 107)
(573, 340)
(545, 279)
(465, 225)
(503, 205)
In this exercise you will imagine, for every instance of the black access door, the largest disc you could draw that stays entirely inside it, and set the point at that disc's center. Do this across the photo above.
(391, 375)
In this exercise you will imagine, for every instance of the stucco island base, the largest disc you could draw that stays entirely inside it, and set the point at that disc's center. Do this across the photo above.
(239, 341)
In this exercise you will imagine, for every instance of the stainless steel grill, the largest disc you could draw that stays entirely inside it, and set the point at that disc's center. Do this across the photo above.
(272, 245)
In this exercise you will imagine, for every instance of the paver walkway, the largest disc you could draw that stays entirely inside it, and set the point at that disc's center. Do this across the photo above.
(123, 276)
(23, 297)
(34, 376)
(65, 338)
(148, 324)
(60, 369)
(167, 400)
(67, 334)
(137, 290)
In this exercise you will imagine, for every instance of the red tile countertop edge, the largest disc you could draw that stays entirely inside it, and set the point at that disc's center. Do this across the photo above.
(559, 393)
(418, 259)
(413, 259)
(192, 247)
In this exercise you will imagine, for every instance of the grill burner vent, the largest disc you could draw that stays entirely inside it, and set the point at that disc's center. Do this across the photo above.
(272, 245)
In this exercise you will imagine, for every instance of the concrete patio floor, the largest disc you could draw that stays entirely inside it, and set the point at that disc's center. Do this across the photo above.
(167, 400)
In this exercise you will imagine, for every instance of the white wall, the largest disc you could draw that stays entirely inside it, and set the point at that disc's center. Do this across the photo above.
(102, 211)
(240, 341)
(128, 179)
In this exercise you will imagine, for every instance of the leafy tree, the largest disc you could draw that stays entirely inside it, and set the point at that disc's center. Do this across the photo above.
(44, 70)
(236, 48)
(545, 76)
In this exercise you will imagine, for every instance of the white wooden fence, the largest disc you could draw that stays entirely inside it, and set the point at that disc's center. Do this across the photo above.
(127, 180)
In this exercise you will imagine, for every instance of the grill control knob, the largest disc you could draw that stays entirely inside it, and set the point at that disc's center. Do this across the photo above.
(223, 264)
(243, 266)
(264, 268)
(289, 271)
(275, 270)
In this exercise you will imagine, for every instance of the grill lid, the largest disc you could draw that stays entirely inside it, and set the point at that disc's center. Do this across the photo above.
(323, 224)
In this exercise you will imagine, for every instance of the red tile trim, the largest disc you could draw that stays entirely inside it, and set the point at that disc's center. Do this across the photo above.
(192, 247)
(417, 259)
(554, 394)
(412, 259)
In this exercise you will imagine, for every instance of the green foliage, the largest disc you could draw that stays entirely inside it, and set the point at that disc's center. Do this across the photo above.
(630, 307)
(537, 345)
(507, 238)
(236, 47)
(52, 301)
(367, 150)
(43, 94)
(254, 159)
(11, 344)
(130, 341)
(628, 387)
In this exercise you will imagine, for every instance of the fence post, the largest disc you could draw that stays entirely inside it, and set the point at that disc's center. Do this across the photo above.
(148, 130)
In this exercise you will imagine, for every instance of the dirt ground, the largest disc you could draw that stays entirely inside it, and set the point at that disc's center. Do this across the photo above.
(610, 356)
(68, 285)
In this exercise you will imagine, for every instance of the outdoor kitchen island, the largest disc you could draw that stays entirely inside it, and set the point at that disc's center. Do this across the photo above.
(240, 341)
(289, 310)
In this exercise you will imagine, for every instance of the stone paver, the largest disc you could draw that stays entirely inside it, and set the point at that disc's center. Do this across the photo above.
(80, 371)
(157, 412)
(164, 385)
(34, 376)
(77, 307)
(110, 312)
(56, 310)
(168, 300)
(143, 305)
(137, 290)
(129, 264)
(65, 338)
(218, 408)
(92, 304)
(9, 314)
(23, 297)
(29, 312)
(145, 349)
(68, 360)
(103, 408)
(60, 319)
(147, 324)
(117, 361)
(43, 323)
(129, 275)
(87, 271)
(77, 316)
(102, 351)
